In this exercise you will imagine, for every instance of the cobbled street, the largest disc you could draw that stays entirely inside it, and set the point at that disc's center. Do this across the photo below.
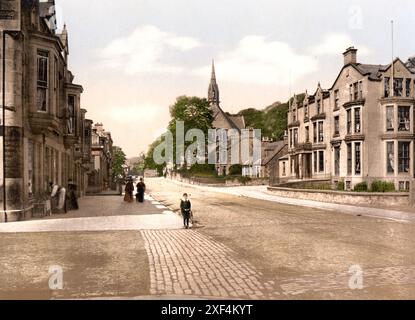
(238, 248)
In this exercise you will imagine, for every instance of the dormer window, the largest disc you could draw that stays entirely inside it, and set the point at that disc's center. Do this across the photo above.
(318, 106)
(387, 87)
(398, 87)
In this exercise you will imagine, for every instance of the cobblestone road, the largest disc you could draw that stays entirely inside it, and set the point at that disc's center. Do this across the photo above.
(185, 262)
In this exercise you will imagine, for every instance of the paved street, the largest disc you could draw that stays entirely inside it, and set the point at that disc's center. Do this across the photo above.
(238, 248)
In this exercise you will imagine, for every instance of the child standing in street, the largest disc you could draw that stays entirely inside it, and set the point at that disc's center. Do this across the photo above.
(186, 208)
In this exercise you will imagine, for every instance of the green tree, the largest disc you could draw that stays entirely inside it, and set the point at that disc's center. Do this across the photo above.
(149, 162)
(194, 112)
(119, 159)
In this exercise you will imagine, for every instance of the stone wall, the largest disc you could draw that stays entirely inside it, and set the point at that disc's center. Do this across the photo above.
(353, 198)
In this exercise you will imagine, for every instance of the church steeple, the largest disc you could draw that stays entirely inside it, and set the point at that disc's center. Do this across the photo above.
(213, 94)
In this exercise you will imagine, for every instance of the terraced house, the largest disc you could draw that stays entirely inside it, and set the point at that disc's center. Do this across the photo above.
(46, 136)
(361, 129)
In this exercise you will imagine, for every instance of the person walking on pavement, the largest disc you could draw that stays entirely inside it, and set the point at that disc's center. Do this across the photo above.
(186, 208)
(141, 189)
(73, 200)
(129, 189)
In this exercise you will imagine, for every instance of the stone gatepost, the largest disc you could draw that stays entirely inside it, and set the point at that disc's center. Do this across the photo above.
(412, 193)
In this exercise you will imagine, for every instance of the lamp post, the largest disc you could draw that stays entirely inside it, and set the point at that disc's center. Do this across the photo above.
(3, 129)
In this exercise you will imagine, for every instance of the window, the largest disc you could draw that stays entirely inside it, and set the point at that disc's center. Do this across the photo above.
(336, 99)
(336, 125)
(315, 161)
(349, 121)
(360, 85)
(307, 134)
(387, 87)
(321, 161)
(357, 124)
(351, 92)
(315, 132)
(294, 115)
(404, 185)
(358, 161)
(397, 87)
(390, 118)
(337, 161)
(349, 159)
(408, 87)
(305, 112)
(356, 91)
(42, 80)
(71, 111)
(295, 137)
(318, 106)
(284, 168)
(403, 156)
(390, 157)
(320, 132)
(404, 119)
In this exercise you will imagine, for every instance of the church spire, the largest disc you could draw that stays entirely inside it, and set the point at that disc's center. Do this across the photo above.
(213, 94)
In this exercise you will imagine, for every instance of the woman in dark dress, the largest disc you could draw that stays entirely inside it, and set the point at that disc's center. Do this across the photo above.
(73, 200)
(186, 208)
(129, 188)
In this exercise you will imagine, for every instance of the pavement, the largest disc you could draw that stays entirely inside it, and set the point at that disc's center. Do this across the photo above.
(240, 247)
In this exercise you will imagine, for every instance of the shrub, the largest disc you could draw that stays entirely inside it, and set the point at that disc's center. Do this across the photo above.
(235, 170)
(340, 186)
(382, 186)
(361, 187)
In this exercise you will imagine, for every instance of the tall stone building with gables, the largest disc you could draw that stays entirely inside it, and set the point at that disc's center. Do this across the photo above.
(360, 130)
(46, 135)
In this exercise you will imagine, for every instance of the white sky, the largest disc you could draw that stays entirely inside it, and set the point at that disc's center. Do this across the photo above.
(134, 57)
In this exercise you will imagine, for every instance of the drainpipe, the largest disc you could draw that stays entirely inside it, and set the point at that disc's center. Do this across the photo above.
(4, 125)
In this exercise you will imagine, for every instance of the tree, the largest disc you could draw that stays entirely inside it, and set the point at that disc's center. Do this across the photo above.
(149, 162)
(139, 165)
(195, 113)
(119, 159)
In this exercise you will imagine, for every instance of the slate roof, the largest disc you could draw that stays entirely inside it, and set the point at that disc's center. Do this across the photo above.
(276, 147)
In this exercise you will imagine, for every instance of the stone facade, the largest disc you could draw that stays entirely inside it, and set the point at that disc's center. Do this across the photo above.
(361, 129)
(47, 137)
(227, 126)
(100, 179)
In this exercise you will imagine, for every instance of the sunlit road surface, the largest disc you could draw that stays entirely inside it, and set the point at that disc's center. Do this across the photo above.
(239, 248)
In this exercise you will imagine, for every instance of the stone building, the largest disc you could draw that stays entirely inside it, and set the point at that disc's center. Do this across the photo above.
(227, 125)
(361, 129)
(44, 132)
(100, 178)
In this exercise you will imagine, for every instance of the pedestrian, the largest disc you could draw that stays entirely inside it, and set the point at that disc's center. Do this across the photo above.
(186, 208)
(73, 200)
(129, 188)
(141, 189)
(58, 196)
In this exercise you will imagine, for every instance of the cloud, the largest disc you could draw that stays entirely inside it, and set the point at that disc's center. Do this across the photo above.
(143, 51)
(256, 60)
(337, 43)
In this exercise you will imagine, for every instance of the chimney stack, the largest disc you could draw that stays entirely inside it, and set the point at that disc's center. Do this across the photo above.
(350, 56)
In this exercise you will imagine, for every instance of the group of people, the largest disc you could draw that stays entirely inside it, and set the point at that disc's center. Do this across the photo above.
(185, 204)
(129, 190)
(64, 199)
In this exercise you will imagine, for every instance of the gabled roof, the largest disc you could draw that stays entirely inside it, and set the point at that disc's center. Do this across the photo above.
(223, 121)
(277, 147)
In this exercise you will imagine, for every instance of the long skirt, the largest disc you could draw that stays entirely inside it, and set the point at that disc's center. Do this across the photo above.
(128, 197)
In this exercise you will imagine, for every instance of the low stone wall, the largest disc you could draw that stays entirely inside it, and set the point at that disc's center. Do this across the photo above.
(354, 198)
